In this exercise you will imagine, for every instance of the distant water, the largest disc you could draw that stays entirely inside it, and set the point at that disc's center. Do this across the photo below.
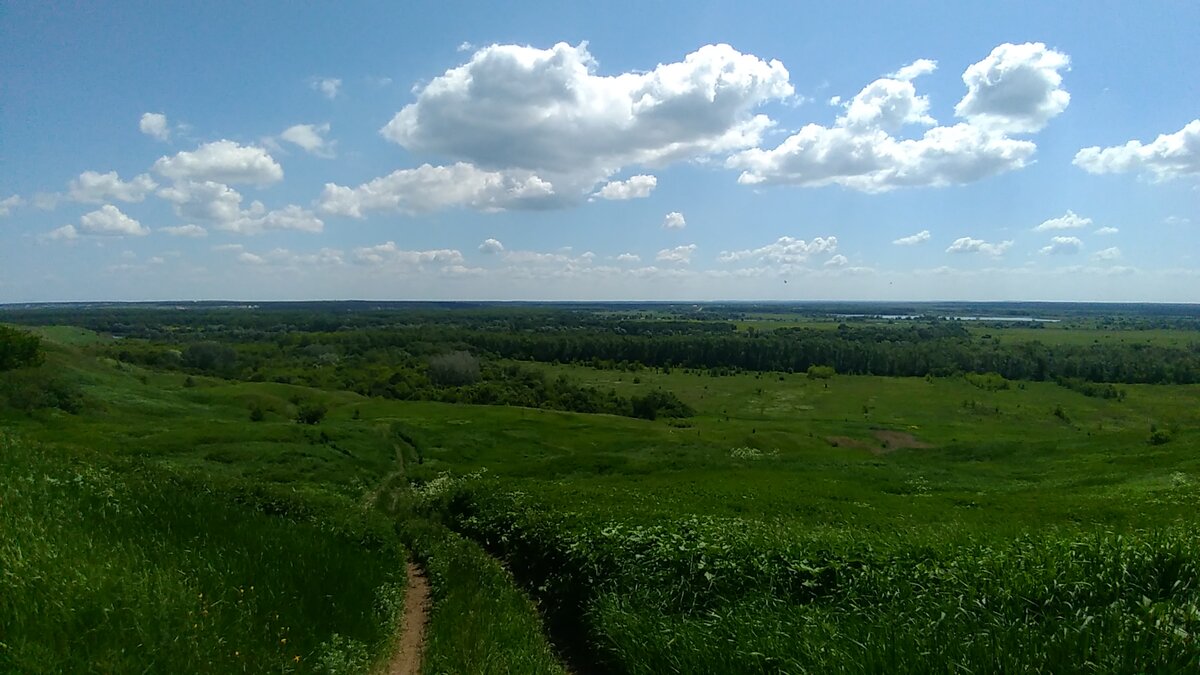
(1016, 319)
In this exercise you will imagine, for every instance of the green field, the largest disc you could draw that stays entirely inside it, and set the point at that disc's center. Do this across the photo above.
(772, 522)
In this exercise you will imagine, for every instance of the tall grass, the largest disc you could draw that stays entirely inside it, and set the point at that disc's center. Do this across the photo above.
(731, 595)
(110, 566)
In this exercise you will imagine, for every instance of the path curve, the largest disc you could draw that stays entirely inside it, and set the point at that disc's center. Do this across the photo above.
(410, 651)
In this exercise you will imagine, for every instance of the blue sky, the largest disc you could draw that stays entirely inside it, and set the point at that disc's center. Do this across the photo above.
(931, 151)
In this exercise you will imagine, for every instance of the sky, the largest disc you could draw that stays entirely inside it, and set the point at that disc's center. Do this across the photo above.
(600, 151)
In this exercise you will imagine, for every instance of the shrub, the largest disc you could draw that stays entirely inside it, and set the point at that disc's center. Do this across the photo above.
(310, 413)
(19, 349)
(821, 372)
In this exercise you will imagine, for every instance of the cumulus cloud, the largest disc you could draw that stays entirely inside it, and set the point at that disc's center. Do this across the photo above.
(679, 254)
(184, 230)
(1107, 254)
(562, 256)
(109, 221)
(1067, 221)
(1063, 246)
(862, 150)
(95, 188)
(1017, 88)
(674, 221)
(310, 138)
(838, 260)
(785, 250)
(221, 206)
(912, 239)
(491, 246)
(970, 245)
(548, 111)
(223, 162)
(155, 126)
(389, 253)
(251, 258)
(1177, 220)
(428, 188)
(329, 87)
(1167, 157)
(636, 187)
(64, 233)
(9, 203)
(628, 258)
(1106, 231)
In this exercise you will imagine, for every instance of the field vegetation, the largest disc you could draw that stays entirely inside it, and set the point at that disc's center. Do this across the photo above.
(627, 489)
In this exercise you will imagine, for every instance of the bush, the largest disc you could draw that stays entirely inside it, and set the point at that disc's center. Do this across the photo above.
(310, 413)
(19, 349)
(821, 372)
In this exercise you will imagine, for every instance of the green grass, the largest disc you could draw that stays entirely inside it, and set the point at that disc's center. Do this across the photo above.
(123, 567)
(857, 524)
(743, 540)
(159, 529)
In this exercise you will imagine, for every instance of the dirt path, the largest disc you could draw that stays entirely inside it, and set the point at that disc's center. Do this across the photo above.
(410, 651)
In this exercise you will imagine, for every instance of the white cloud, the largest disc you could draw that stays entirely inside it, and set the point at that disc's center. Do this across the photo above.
(108, 220)
(914, 70)
(223, 162)
(785, 250)
(221, 206)
(838, 260)
(875, 161)
(912, 239)
(389, 253)
(861, 152)
(208, 201)
(1067, 221)
(1016, 89)
(65, 233)
(251, 258)
(1112, 253)
(329, 87)
(465, 46)
(1063, 246)
(629, 258)
(1167, 157)
(491, 246)
(184, 230)
(310, 138)
(547, 111)
(679, 254)
(290, 217)
(674, 221)
(95, 188)
(970, 245)
(155, 125)
(9, 203)
(889, 104)
(1177, 220)
(563, 256)
(636, 187)
(428, 188)
(1106, 231)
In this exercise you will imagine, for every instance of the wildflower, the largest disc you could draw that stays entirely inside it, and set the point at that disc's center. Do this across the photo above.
(296, 658)
(283, 641)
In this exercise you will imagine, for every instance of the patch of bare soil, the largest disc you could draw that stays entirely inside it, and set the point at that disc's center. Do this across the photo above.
(410, 651)
(847, 442)
(898, 440)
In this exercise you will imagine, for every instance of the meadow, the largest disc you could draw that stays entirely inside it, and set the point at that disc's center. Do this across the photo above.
(763, 521)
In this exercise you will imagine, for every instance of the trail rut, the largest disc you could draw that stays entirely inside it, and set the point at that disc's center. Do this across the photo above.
(410, 651)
